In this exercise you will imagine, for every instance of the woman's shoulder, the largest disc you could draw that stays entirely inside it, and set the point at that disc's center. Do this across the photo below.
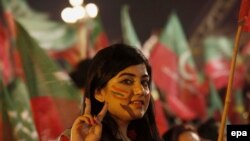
(64, 136)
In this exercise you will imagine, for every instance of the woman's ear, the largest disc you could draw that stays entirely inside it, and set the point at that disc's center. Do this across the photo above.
(99, 96)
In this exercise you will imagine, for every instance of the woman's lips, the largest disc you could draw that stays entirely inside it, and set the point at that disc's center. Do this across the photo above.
(137, 103)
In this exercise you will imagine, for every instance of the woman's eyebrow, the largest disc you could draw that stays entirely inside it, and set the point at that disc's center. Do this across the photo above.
(133, 75)
(126, 74)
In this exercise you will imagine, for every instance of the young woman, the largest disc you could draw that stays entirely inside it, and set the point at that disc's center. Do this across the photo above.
(118, 104)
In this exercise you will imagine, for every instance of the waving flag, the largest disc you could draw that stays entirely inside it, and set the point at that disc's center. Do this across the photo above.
(49, 88)
(215, 104)
(161, 119)
(217, 62)
(244, 15)
(174, 37)
(16, 104)
(5, 64)
(98, 37)
(176, 74)
(49, 34)
(166, 78)
(128, 32)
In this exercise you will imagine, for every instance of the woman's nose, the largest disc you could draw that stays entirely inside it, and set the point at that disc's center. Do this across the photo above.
(139, 90)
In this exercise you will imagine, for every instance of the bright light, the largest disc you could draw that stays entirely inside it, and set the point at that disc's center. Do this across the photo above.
(67, 15)
(76, 2)
(92, 10)
(79, 12)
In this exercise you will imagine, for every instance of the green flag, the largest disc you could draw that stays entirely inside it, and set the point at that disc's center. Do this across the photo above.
(173, 36)
(98, 37)
(215, 103)
(18, 111)
(217, 53)
(48, 33)
(128, 32)
(51, 91)
(181, 70)
(38, 65)
(236, 113)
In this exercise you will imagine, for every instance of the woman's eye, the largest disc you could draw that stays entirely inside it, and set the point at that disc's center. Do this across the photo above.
(127, 81)
(145, 83)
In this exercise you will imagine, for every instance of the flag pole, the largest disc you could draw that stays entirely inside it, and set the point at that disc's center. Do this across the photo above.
(230, 82)
(82, 35)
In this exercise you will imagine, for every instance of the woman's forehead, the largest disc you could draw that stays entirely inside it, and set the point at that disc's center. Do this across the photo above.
(134, 70)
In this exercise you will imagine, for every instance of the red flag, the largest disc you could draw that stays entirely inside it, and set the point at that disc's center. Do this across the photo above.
(244, 15)
(161, 120)
(71, 56)
(5, 65)
(45, 83)
(164, 70)
(49, 125)
(217, 64)
(160, 117)
(97, 36)
(164, 64)
(176, 75)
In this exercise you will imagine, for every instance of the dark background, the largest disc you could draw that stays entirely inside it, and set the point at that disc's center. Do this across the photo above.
(146, 15)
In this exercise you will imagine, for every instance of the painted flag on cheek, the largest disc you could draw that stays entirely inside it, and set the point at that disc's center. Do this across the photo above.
(119, 93)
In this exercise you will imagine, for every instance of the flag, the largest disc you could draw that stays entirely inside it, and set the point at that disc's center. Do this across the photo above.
(5, 64)
(48, 33)
(182, 85)
(67, 58)
(244, 14)
(128, 31)
(16, 110)
(215, 105)
(149, 44)
(160, 116)
(49, 88)
(218, 51)
(98, 36)
(236, 112)
(166, 78)
(173, 36)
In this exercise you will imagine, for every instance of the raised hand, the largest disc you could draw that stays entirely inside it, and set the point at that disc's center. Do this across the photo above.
(88, 127)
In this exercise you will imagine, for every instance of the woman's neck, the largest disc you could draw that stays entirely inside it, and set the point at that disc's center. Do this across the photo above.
(123, 127)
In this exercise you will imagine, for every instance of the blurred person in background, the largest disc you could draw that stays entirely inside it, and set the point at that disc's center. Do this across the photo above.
(181, 133)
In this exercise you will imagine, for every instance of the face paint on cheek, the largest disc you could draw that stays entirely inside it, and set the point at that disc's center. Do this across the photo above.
(119, 93)
(129, 110)
(123, 94)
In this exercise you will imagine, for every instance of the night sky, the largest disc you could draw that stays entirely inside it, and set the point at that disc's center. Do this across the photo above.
(146, 15)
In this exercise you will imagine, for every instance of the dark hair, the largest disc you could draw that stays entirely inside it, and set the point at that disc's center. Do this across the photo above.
(174, 132)
(209, 129)
(79, 74)
(107, 63)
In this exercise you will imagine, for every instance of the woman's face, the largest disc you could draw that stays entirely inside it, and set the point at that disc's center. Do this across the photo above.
(128, 93)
